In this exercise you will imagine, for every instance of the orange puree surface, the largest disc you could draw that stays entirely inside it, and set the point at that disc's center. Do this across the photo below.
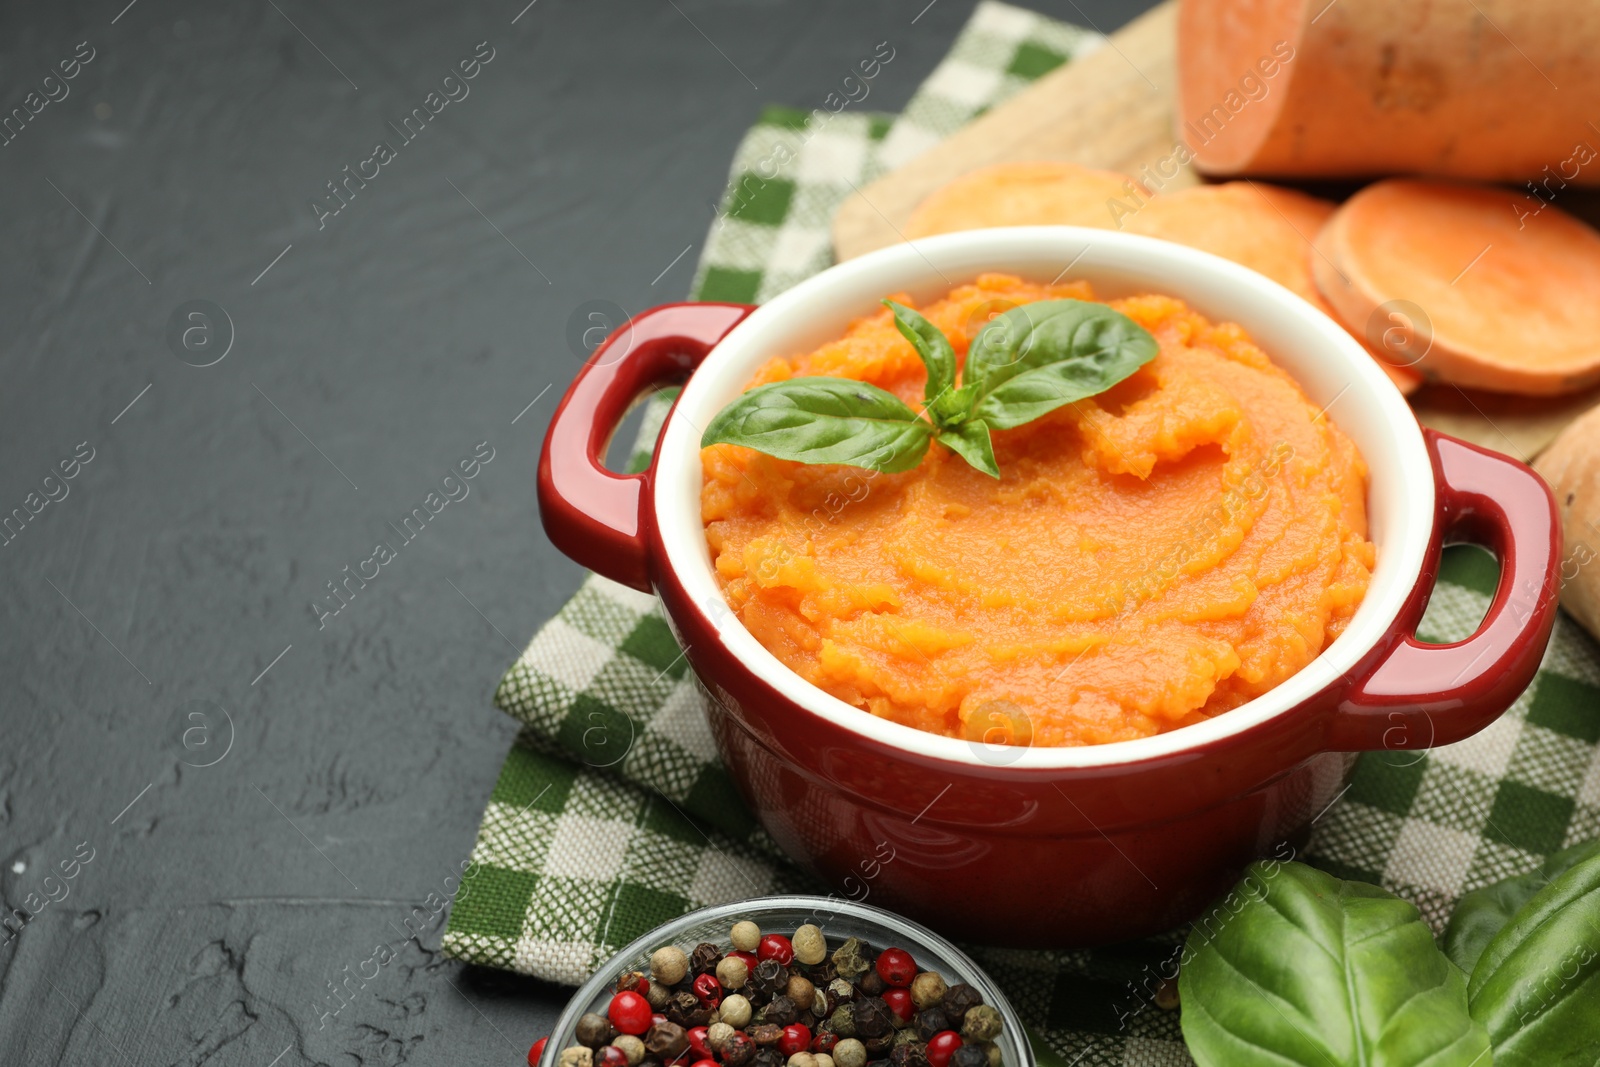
(1149, 558)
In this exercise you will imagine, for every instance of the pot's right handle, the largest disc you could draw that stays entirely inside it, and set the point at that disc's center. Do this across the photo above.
(1419, 695)
(590, 513)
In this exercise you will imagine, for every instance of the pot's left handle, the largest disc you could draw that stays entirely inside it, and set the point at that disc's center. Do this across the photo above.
(590, 513)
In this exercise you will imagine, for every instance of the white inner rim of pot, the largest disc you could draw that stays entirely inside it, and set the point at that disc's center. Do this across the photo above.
(1332, 368)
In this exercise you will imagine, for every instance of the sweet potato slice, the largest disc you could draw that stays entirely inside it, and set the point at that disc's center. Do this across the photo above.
(1267, 228)
(1502, 299)
(1493, 90)
(1023, 194)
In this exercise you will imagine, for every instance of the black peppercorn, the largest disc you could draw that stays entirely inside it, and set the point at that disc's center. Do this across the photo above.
(819, 973)
(681, 1008)
(665, 1040)
(881, 1044)
(738, 1049)
(594, 1030)
(969, 1056)
(872, 1018)
(768, 1057)
(704, 958)
(957, 1000)
(872, 984)
(911, 1054)
(766, 1034)
(929, 1022)
(781, 1011)
(768, 979)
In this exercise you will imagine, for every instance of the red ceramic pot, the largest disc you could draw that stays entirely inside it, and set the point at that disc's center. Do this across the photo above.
(1059, 846)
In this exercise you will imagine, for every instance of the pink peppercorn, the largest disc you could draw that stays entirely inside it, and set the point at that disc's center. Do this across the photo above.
(629, 1012)
(776, 947)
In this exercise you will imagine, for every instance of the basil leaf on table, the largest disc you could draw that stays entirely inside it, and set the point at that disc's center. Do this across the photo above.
(1537, 985)
(1300, 967)
(1037, 357)
(1482, 913)
(825, 420)
(932, 345)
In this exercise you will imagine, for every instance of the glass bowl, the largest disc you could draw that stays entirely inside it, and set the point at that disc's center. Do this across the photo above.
(838, 920)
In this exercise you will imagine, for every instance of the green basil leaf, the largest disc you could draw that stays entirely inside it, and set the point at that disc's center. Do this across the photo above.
(1537, 985)
(1299, 967)
(1482, 913)
(1037, 357)
(932, 345)
(971, 442)
(824, 420)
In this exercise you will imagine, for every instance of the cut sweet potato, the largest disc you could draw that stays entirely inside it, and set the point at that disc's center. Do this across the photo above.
(1264, 227)
(1463, 88)
(1572, 467)
(1497, 299)
(1023, 194)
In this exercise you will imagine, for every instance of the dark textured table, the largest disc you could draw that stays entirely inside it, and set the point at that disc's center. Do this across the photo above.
(216, 796)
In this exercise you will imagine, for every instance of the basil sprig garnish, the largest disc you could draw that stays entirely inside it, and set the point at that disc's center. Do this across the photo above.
(1022, 364)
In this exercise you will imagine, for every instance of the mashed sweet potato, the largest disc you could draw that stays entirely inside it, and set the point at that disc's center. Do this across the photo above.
(1149, 558)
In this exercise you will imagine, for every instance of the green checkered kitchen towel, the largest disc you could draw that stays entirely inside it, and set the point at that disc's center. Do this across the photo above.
(612, 813)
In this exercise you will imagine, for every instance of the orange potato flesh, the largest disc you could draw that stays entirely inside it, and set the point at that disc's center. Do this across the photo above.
(1267, 228)
(1509, 296)
(1150, 557)
(1022, 194)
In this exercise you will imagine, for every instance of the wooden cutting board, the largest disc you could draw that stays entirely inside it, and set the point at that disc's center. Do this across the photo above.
(1113, 109)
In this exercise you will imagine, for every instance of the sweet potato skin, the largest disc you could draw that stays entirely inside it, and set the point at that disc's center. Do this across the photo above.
(1495, 90)
(1572, 467)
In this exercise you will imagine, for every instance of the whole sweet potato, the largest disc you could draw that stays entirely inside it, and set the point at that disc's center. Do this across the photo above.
(1572, 467)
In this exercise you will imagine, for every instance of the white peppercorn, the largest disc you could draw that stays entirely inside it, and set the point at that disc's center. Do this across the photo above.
(735, 1010)
(809, 944)
(850, 1053)
(658, 995)
(801, 991)
(717, 1035)
(823, 1059)
(746, 936)
(577, 1056)
(669, 965)
(802, 1059)
(927, 989)
(631, 1047)
(732, 972)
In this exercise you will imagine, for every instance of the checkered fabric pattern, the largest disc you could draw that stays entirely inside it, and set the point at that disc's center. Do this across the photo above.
(1001, 50)
(795, 167)
(612, 813)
